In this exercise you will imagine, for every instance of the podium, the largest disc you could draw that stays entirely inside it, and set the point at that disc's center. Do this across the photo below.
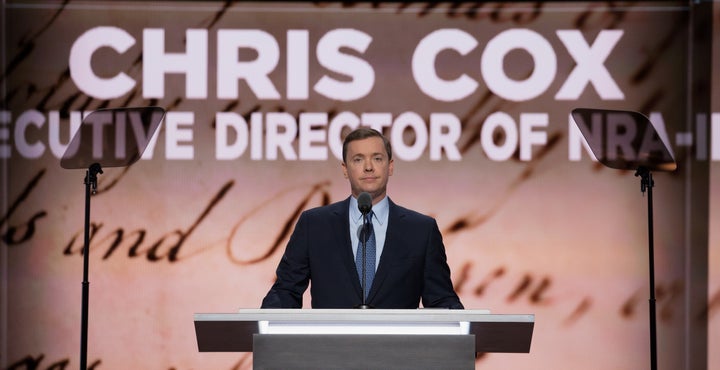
(367, 339)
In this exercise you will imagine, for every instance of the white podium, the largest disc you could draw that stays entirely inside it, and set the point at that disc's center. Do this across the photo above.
(372, 338)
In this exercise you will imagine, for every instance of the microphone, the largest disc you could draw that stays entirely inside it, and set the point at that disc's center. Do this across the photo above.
(364, 205)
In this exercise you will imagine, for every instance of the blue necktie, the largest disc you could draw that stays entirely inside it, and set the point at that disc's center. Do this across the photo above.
(369, 254)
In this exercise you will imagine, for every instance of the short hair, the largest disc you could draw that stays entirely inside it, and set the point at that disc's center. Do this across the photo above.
(364, 133)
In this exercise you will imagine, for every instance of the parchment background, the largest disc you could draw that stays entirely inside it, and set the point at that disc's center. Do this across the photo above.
(564, 240)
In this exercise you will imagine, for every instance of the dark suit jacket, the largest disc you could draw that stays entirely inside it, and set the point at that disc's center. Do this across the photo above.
(412, 267)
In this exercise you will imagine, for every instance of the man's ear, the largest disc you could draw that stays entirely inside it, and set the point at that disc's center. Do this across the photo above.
(344, 169)
(391, 167)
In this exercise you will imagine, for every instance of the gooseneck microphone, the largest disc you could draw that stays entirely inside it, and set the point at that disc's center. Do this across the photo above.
(364, 205)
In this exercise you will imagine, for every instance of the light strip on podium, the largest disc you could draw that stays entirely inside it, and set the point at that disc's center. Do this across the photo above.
(379, 327)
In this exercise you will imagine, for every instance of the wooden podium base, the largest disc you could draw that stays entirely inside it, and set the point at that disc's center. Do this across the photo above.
(307, 351)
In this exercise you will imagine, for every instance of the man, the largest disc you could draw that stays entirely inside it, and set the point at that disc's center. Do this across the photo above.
(409, 263)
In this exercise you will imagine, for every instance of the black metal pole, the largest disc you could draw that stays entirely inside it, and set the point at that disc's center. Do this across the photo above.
(90, 187)
(364, 238)
(647, 183)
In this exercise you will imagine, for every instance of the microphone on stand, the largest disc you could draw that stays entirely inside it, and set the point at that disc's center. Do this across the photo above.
(364, 205)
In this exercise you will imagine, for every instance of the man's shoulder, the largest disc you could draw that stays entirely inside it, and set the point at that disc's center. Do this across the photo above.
(410, 214)
(332, 208)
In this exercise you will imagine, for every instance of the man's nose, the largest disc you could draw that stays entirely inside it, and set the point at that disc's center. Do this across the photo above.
(368, 166)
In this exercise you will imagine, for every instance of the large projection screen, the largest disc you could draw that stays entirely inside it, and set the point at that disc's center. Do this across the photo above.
(476, 99)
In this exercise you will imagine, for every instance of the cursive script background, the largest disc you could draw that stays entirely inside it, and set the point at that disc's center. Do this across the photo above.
(560, 238)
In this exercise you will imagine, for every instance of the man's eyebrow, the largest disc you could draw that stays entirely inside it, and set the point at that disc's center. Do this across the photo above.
(371, 154)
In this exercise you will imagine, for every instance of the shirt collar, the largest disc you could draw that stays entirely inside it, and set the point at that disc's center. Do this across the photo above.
(380, 210)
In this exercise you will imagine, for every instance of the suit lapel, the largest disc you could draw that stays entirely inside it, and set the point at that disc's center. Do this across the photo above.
(389, 248)
(341, 220)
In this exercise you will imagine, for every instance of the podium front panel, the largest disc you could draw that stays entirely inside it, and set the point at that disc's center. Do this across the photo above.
(339, 351)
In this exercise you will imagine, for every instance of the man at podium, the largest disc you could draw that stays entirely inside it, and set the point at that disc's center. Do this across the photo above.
(365, 241)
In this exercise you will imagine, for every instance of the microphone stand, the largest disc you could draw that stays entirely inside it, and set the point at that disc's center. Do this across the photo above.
(647, 182)
(90, 187)
(363, 240)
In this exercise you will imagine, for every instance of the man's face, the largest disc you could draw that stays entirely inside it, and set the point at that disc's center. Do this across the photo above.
(367, 167)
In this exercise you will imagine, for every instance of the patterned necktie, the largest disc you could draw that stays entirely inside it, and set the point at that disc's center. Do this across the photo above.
(369, 254)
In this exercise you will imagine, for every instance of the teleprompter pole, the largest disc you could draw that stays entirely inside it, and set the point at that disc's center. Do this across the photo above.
(647, 183)
(90, 188)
